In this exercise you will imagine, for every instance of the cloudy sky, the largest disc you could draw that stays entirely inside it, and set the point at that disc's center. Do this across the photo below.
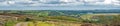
(59, 4)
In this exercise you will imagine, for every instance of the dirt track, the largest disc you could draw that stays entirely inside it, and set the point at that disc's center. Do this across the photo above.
(22, 24)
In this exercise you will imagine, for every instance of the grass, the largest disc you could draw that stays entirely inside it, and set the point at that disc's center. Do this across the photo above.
(10, 23)
(31, 24)
(37, 23)
(40, 23)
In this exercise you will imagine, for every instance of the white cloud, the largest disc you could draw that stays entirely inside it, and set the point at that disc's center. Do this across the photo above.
(22, 0)
(116, 2)
(108, 1)
(93, 0)
(2, 0)
(10, 2)
(4, 4)
(72, 1)
(104, 2)
(59, 2)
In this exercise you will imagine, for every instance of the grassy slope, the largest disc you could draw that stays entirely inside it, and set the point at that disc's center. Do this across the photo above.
(40, 23)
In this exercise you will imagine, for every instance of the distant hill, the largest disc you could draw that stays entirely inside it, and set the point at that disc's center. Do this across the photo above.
(59, 12)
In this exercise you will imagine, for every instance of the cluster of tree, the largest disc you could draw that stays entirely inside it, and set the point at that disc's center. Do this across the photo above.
(108, 20)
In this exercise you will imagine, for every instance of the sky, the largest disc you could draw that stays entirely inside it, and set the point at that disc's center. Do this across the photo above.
(59, 4)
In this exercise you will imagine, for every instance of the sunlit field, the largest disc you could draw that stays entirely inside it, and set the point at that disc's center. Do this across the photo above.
(59, 18)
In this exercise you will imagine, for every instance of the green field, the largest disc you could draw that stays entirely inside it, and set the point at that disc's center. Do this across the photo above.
(57, 18)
